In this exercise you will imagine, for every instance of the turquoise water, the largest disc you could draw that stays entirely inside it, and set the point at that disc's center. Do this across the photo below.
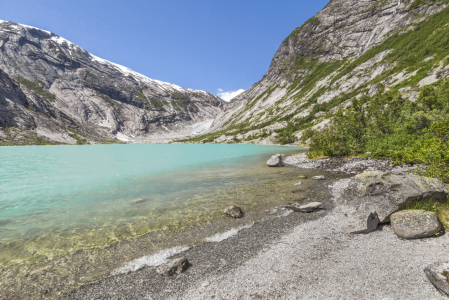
(64, 186)
(56, 201)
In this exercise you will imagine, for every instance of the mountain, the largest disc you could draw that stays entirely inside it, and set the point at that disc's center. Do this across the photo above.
(348, 50)
(53, 91)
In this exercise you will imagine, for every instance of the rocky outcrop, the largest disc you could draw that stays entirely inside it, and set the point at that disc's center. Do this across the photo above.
(174, 266)
(62, 93)
(233, 211)
(438, 274)
(415, 224)
(269, 141)
(385, 193)
(321, 67)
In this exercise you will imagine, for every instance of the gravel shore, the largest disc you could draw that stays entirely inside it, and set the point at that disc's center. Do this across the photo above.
(298, 256)
(318, 261)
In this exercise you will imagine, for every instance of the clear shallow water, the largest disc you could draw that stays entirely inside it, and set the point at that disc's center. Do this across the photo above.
(61, 204)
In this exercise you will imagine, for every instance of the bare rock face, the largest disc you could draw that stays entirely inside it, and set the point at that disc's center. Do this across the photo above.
(271, 140)
(415, 224)
(342, 32)
(233, 211)
(65, 94)
(276, 161)
(360, 222)
(438, 274)
(385, 193)
(174, 266)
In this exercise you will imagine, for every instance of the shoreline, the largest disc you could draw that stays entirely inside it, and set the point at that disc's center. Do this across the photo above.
(207, 259)
(242, 249)
(297, 256)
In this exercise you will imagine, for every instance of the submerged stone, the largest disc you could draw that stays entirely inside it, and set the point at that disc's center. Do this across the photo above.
(233, 211)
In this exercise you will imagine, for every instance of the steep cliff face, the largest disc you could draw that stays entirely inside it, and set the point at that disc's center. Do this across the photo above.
(54, 91)
(349, 49)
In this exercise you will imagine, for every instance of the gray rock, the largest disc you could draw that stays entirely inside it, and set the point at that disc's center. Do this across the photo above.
(438, 274)
(233, 211)
(360, 222)
(309, 207)
(174, 266)
(384, 193)
(50, 85)
(276, 161)
(415, 223)
(320, 177)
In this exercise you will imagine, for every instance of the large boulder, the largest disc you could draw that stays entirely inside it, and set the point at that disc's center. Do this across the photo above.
(415, 223)
(385, 193)
(360, 222)
(174, 266)
(438, 274)
(276, 160)
(233, 211)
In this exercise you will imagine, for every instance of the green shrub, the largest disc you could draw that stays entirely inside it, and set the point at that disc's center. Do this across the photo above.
(34, 86)
(389, 126)
(180, 97)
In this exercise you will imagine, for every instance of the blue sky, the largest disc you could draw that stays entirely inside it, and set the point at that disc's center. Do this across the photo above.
(200, 44)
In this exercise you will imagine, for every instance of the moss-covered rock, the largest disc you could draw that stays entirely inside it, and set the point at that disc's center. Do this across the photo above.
(415, 223)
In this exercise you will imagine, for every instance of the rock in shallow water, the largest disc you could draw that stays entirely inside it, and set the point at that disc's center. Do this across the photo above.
(320, 177)
(174, 266)
(309, 207)
(276, 161)
(233, 211)
(312, 206)
(438, 274)
(415, 223)
(360, 222)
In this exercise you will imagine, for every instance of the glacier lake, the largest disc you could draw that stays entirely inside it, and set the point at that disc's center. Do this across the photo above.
(85, 212)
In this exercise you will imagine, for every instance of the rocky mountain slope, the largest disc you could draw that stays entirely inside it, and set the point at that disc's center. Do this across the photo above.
(348, 50)
(53, 91)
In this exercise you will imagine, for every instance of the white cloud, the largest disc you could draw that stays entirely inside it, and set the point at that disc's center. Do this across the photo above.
(227, 96)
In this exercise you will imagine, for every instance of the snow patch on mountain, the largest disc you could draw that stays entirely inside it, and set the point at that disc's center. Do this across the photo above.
(201, 127)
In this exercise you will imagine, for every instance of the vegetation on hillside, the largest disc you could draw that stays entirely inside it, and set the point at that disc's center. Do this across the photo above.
(419, 49)
(36, 87)
(387, 125)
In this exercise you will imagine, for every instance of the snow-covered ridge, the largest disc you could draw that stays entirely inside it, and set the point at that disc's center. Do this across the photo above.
(124, 70)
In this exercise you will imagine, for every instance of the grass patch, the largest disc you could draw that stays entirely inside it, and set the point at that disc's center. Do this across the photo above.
(34, 86)
(441, 208)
